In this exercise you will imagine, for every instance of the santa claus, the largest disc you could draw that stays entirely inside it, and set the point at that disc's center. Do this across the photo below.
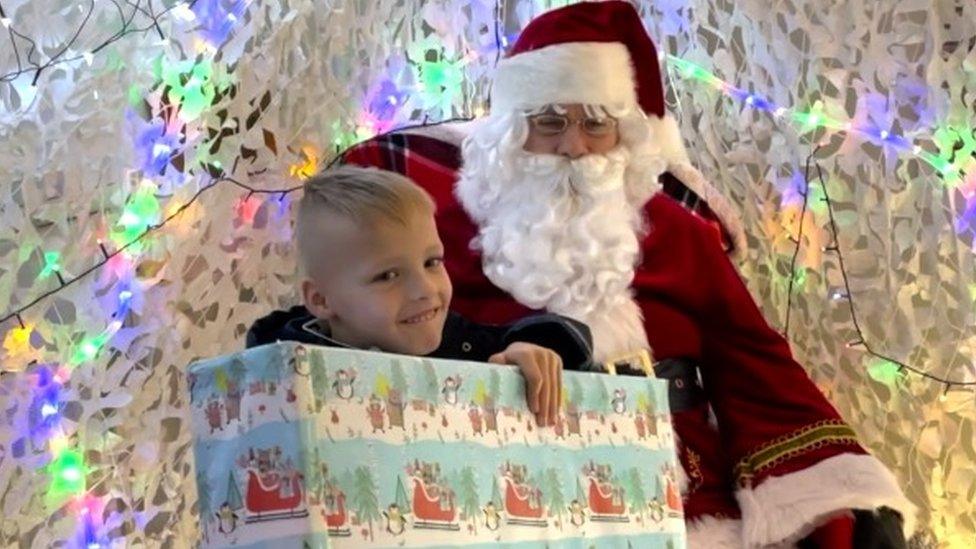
(575, 195)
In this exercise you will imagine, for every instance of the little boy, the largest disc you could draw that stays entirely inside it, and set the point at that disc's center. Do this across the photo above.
(374, 278)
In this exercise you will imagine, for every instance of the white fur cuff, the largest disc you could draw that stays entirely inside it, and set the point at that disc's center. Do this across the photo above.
(787, 508)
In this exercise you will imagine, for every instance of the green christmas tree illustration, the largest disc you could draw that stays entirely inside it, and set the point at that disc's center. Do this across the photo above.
(431, 387)
(398, 379)
(401, 499)
(556, 501)
(320, 379)
(234, 498)
(581, 495)
(600, 398)
(576, 392)
(636, 498)
(204, 503)
(496, 496)
(237, 372)
(469, 496)
(494, 386)
(364, 500)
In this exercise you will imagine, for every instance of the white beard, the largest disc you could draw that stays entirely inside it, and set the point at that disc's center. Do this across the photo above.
(563, 234)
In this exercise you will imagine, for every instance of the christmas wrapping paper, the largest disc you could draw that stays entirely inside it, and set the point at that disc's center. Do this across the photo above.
(300, 445)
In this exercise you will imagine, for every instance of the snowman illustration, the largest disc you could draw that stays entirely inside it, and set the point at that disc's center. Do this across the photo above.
(395, 521)
(619, 401)
(450, 390)
(492, 518)
(226, 519)
(343, 384)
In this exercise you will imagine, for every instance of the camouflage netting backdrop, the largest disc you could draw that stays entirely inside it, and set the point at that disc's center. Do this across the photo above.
(118, 116)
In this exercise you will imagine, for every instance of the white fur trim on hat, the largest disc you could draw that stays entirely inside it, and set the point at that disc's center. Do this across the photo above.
(591, 73)
(666, 135)
(783, 509)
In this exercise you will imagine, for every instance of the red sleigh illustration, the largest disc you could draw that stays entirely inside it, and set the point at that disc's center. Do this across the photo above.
(606, 500)
(433, 502)
(523, 502)
(273, 492)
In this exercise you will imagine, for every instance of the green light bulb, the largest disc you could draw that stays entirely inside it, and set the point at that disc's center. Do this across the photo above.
(67, 473)
(51, 264)
(884, 371)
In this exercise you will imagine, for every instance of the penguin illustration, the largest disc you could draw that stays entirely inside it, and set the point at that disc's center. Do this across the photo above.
(492, 518)
(656, 510)
(226, 519)
(395, 521)
(450, 390)
(343, 384)
(577, 516)
(619, 401)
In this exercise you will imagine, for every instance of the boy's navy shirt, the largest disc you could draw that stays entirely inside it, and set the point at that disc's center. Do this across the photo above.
(461, 340)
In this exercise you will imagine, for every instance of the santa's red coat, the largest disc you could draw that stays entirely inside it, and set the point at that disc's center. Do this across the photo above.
(770, 420)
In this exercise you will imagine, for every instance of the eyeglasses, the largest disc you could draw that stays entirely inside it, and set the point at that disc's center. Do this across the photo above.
(555, 124)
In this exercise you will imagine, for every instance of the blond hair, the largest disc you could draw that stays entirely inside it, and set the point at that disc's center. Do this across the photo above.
(362, 195)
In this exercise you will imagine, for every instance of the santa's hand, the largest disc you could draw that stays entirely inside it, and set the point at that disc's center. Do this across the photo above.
(543, 372)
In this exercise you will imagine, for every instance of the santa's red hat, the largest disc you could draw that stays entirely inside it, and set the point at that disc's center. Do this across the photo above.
(593, 53)
(598, 53)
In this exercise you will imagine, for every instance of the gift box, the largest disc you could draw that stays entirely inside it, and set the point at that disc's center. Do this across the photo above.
(305, 446)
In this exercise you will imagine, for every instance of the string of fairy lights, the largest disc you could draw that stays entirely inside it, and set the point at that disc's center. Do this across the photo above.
(889, 369)
(951, 170)
(140, 218)
(67, 471)
(63, 55)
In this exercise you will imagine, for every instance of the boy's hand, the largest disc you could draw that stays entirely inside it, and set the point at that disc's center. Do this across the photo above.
(543, 372)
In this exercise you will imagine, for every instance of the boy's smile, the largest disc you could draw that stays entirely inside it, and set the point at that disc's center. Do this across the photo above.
(382, 283)
(426, 316)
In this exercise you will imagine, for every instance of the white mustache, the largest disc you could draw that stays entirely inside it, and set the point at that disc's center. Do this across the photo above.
(589, 175)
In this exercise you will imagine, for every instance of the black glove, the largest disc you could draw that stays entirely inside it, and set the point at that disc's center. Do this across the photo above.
(878, 529)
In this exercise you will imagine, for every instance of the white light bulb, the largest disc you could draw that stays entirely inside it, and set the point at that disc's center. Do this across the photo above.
(128, 219)
(48, 409)
(160, 149)
(184, 12)
(72, 474)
